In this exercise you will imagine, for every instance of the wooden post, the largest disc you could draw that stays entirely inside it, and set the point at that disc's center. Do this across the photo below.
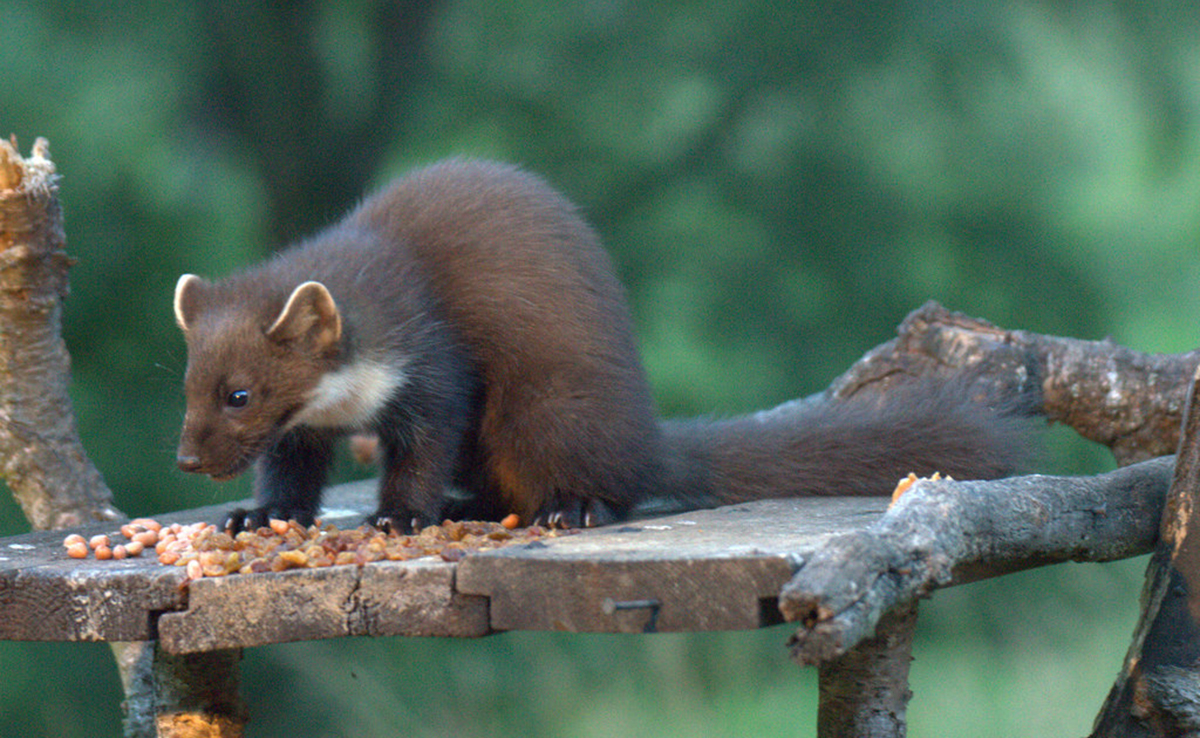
(171, 696)
(864, 693)
(1157, 692)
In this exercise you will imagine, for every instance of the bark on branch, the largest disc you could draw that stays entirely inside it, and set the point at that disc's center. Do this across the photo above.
(864, 693)
(1157, 692)
(42, 458)
(946, 532)
(1130, 401)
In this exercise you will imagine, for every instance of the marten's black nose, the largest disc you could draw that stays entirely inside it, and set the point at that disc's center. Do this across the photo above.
(188, 463)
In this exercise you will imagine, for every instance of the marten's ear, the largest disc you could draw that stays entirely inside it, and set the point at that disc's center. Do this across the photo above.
(309, 318)
(186, 293)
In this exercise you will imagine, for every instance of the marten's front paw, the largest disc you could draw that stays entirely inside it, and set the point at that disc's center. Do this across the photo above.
(576, 512)
(240, 519)
(400, 521)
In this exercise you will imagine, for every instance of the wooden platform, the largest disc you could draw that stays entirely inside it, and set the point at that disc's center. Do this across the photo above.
(706, 570)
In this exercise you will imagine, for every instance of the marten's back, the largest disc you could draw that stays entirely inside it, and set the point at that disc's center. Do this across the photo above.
(525, 281)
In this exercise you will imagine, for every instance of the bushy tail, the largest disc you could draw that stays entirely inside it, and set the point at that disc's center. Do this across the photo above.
(851, 447)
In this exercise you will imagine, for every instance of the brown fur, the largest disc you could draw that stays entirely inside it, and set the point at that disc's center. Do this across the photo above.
(491, 304)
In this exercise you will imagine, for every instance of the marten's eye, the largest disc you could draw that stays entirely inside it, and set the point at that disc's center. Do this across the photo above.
(237, 398)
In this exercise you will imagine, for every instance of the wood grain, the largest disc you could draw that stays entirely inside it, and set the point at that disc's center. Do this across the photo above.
(715, 569)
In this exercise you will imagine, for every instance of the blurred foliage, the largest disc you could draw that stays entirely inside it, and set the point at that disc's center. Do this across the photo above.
(780, 184)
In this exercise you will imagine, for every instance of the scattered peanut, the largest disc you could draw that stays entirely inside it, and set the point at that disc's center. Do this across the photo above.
(146, 538)
(147, 524)
(141, 533)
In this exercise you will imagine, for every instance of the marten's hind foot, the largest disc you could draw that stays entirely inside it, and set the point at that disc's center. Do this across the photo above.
(568, 511)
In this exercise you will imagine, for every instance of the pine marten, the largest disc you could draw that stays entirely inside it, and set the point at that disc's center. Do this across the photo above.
(469, 317)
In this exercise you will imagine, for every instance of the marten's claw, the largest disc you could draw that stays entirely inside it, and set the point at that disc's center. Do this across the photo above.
(575, 512)
(240, 519)
(394, 523)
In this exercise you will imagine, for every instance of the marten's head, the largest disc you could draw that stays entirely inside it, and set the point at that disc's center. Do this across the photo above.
(255, 365)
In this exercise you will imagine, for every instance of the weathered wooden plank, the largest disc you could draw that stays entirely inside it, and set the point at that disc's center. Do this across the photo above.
(384, 598)
(47, 596)
(44, 595)
(85, 603)
(705, 570)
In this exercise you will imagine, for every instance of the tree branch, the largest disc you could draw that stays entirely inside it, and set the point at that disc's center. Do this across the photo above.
(1157, 692)
(43, 459)
(947, 532)
(864, 693)
(1129, 401)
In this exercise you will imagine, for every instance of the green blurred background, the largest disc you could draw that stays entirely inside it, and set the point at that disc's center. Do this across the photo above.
(780, 184)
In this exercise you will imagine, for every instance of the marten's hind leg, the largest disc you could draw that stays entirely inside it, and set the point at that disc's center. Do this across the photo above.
(571, 464)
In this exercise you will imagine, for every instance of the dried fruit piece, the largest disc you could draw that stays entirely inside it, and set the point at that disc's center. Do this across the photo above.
(903, 486)
(206, 551)
(906, 484)
(294, 558)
